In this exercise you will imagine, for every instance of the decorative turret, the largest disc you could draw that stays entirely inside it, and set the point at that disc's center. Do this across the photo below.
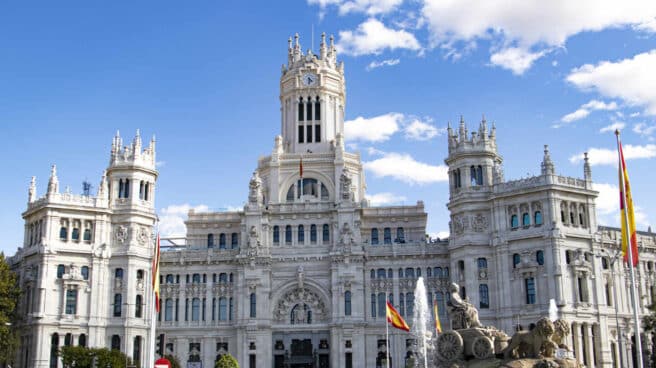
(53, 182)
(479, 140)
(132, 155)
(547, 164)
(32, 191)
(587, 170)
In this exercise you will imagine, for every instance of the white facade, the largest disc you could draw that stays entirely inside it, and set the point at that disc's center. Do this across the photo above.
(299, 277)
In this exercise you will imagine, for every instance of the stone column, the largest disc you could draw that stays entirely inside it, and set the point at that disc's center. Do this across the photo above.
(589, 344)
(576, 329)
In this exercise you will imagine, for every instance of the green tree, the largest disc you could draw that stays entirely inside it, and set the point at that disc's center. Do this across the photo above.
(227, 361)
(9, 319)
(175, 363)
(649, 321)
(77, 356)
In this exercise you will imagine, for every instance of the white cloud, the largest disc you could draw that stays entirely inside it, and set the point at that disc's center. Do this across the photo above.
(631, 80)
(377, 129)
(420, 131)
(634, 114)
(613, 127)
(530, 24)
(385, 198)
(586, 109)
(372, 37)
(403, 167)
(172, 218)
(515, 59)
(604, 156)
(377, 64)
(370, 7)
(608, 207)
(644, 129)
(439, 235)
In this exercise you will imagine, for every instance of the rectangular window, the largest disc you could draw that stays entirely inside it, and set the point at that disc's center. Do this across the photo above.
(301, 111)
(177, 305)
(309, 111)
(71, 301)
(348, 360)
(317, 111)
(530, 290)
(309, 133)
(253, 301)
(301, 136)
(317, 133)
(251, 361)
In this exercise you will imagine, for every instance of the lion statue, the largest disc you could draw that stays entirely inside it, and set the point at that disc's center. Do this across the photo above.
(536, 343)
(561, 331)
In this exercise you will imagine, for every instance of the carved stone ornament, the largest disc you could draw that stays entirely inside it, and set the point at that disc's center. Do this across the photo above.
(345, 184)
(459, 224)
(302, 298)
(479, 222)
(255, 189)
(121, 234)
(142, 235)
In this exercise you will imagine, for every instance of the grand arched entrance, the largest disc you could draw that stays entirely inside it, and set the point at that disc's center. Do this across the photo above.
(300, 332)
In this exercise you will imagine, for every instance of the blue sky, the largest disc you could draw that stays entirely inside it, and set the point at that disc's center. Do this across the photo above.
(203, 78)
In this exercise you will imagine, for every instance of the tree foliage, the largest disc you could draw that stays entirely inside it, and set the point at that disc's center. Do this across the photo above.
(175, 363)
(9, 319)
(649, 320)
(227, 361)
(81, 357)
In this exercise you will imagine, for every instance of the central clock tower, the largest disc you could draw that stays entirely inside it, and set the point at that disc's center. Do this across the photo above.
(312, 95)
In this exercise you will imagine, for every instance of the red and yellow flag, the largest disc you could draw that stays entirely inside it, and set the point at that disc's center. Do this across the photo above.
(629, 235)
(156, 275)
(438, 325)
(300, 167)
(395, 318)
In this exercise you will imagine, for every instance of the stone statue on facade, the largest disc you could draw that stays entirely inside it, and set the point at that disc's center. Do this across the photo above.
(255, 189)
(345, 185)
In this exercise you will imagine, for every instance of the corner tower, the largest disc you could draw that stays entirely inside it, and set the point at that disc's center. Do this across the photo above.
(312, 97)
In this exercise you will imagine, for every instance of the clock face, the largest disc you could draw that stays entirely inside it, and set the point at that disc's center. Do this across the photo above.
(309, 79)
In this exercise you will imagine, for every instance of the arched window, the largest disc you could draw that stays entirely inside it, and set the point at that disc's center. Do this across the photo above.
(479, 175)
(516, 260)
(146, 191)
(537, 218)
(317, 110)
(85, 272)
(374, 236)
(140, 274)
(276, 234)
(234, 240)
(526, 219)
(324, 191)
(169, 279)
(168, 309)
(410, 273)
(288, 234)
(400, 273)
(210, 240)
(400, 235)
(437, 271)
(118, 301)
(120, 188)
(195, 278)
(223, 309)
(568, 256)
(87, 235)
(390, 273)
(308, 116)
(604, 263)
(138, 306)
(372, 273)
(409, 303)
(82, 340)
(141, 190)
(118, 273)
(230, 309)
(539, 257)
(253, 300)
(136, 350)
(381, 273)
(457, 180)
(63, 233)
(326, 233)
(230, 278)
(429, 272)
(514, 222)
(195, 309)
(301, 234)
(223, 278)
(418, 272)
(582, 216)
(382, 305)
(126, 189)
(402, 304)
(472, 176)
(373, 305)
(60, 271)
(347, 303)
(222, 241)
(313, 233)
(301, 116)
(571, 218)
(446, 272)
(290, 192)
(54, 350)
(483, 296)
(387, 235)
(116, 342)
(482, 263)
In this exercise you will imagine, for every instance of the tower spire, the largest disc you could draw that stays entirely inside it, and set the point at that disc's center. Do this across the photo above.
(587, 170)
(53, 182)
(32, 190)
(547, 164)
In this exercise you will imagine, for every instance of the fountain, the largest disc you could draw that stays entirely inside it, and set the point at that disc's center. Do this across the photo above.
(420, 326)
(553, 310)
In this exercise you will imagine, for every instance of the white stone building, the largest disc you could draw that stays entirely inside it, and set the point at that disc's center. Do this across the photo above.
(300, 276)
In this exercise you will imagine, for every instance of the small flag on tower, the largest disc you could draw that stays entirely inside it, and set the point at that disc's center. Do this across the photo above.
(300, 167)
(395, 318)
(438, 325)
(629, 235)
(156, 275)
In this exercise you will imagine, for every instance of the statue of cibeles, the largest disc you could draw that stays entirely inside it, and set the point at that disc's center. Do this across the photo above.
(462, 313)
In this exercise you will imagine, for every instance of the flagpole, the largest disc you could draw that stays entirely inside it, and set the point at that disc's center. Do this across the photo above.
(629, 246)
(153, 319)
(387, 342)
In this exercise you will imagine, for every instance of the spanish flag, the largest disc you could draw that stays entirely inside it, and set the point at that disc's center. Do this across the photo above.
(626, 204)
(156, 275)
(395, 318)
(438, 325)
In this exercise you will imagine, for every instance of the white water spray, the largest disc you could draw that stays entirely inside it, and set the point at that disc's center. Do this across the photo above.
(553, 310)
(420, 326)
